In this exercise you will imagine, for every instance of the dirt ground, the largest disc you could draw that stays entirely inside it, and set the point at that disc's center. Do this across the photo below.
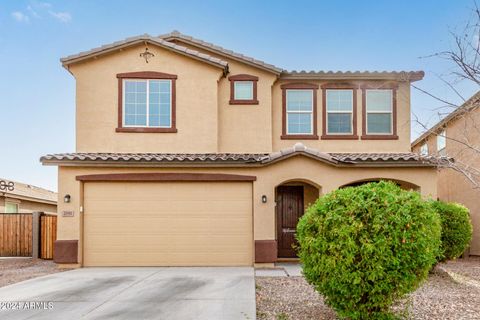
(440, 297)
(14, 270)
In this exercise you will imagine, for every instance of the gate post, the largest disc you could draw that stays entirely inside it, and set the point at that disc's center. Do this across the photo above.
(36, 234)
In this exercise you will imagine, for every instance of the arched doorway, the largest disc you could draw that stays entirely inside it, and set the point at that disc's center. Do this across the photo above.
(292, 199)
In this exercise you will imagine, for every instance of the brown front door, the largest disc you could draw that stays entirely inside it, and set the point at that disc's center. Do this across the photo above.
(289, 210)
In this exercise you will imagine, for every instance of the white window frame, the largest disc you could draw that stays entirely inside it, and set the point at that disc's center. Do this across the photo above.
(288, 112)
(148, 103)
(12, 203)
(235, 91)
(424, 149)
(379, 112)
(344, 112)
(442, 135)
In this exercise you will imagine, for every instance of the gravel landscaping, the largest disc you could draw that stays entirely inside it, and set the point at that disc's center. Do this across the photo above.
(283, 298)
(14, 270)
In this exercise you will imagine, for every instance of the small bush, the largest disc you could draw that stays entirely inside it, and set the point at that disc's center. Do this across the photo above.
(364, 247)
(456, 229)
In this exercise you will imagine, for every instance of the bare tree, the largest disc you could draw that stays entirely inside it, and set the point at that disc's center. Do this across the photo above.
(464, 156)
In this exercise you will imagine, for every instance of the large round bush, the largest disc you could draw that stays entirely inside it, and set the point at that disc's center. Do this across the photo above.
(364, 247)
(456, 229)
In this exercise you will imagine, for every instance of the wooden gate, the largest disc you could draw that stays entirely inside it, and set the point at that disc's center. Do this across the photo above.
(48, 235)
(16, 235)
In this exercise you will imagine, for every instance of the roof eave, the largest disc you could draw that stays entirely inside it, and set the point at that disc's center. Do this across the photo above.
(390, 76)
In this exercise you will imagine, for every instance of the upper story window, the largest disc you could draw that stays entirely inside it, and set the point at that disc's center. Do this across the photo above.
(243, 89)
(424, 149)
(379, 115)
(339, 111)
(441, 141)
(299, 111)
(146, 102)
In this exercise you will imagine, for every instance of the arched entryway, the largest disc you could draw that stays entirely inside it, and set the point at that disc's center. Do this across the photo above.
(292, 198)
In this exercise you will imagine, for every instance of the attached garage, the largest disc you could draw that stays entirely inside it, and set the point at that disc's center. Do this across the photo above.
(168, 223)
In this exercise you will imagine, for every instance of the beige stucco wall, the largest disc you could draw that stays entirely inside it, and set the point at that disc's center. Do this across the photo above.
(26, 206)
(206, 122)
(452, 185)
(97, 103)
(299, 168)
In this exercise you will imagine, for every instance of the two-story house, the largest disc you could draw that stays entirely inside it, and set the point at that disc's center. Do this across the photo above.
(188, 154)
(457, 136)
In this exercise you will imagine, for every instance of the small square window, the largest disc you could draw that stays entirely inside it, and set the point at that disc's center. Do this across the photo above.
(243, 89)
(11, 207)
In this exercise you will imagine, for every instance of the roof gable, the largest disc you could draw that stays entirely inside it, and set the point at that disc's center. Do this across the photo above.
(175, 35)
(147, 39)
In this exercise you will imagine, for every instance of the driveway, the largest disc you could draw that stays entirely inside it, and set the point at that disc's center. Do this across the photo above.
(136, 293)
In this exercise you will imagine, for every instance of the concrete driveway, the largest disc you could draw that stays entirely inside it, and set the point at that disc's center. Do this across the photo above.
(136, 293)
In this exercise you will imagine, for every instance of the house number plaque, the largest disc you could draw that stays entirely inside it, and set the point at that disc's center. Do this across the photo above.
(68, 213)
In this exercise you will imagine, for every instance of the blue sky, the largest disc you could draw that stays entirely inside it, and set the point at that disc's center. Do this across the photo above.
(38, 97)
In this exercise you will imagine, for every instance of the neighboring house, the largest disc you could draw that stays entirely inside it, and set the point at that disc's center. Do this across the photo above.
(458, 136)
(188, 154)
(16, 197)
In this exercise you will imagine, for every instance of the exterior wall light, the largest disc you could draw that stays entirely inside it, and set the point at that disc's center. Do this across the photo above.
(66, 199)
(264, 199)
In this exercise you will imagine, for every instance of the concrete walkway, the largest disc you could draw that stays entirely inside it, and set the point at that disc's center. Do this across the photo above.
(281, 270)
(136, 293)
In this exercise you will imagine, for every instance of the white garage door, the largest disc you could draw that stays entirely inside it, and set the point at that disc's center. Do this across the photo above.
(168, 224)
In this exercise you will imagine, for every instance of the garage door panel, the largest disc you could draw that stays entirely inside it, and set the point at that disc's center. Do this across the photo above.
(223, 208)
(168, 224)
(221, 226)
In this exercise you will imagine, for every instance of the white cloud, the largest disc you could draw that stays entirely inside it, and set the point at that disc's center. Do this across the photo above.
(20, 16)
(61, 16)
(33, 12)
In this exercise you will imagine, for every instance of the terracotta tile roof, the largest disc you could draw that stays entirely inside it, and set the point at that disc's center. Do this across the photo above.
(154, 157)
(144, 38)
(151, 159)
(467, 106)
(355, 157)
(352, 75)
(175, 35)
(29, 191)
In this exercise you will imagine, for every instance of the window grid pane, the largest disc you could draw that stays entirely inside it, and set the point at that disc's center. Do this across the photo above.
(379, 100)
(379, 123)
(147, 103)
(299, 123)
(243, 90)
(339, 123)
(299, 100)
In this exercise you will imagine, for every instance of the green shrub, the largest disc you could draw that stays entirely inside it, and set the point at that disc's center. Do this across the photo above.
(456, 229)
(364, 247)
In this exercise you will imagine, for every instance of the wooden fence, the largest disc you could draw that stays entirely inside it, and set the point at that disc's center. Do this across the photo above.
(48, 235)
(18, 231)
(16, 235)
